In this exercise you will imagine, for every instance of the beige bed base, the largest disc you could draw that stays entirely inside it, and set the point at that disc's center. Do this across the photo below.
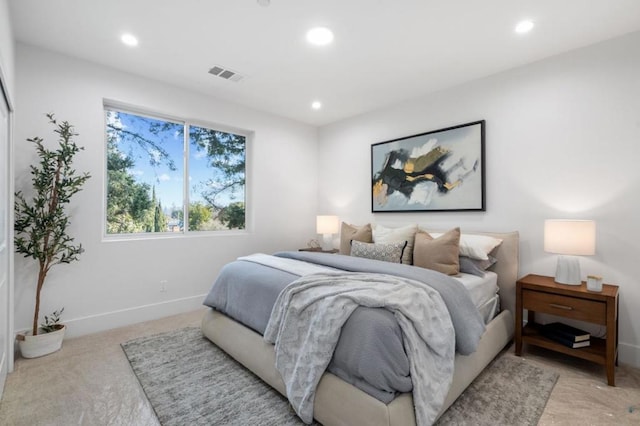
(340, 403)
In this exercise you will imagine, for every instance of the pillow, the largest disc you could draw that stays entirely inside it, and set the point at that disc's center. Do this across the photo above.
(475, 246)
(475, 266)
(439, 254)
(391, 252)
(353, 232)
(385, 235)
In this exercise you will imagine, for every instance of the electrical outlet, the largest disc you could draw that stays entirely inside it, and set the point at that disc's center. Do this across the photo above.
(163, 286)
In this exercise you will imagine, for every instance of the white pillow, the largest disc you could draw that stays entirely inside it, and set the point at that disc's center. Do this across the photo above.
(382, 234)
(475, 246)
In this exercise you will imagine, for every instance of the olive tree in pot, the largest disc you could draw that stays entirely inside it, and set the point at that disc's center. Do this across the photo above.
(41, 228)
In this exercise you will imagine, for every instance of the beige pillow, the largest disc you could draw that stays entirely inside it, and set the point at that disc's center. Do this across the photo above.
(439, 254)
(353, 232)
(382, 234)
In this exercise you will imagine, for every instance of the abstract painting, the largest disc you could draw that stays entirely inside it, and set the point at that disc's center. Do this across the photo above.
(440, 170)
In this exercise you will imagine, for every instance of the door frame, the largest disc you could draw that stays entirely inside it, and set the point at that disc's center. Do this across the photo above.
(5, 96)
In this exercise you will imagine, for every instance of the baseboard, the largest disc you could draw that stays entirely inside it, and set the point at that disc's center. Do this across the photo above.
(629, 354)
(123, 317)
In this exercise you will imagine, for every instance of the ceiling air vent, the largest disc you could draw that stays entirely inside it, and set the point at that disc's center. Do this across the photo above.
(226, 73)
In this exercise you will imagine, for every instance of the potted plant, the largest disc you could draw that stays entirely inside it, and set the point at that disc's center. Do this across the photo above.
(41, 228)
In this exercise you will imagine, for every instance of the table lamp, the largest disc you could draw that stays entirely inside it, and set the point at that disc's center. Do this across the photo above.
(327, 225)
(571, 238)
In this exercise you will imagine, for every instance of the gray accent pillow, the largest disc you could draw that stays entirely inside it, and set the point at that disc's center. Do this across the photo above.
(384, 235)
(391, 252)
(476, 266)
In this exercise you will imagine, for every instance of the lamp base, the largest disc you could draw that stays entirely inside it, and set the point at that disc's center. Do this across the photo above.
(568, 270)
(327, 242)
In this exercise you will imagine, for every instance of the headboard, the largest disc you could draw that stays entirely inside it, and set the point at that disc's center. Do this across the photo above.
(507, 255)
(506, 267)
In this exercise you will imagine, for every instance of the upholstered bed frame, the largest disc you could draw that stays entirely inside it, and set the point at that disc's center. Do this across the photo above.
(340, 403)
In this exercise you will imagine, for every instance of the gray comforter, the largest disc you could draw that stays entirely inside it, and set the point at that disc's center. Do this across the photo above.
(308, 316)
(370, 352)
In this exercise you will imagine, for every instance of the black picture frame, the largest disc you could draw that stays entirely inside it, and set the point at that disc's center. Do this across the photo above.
(436, 171)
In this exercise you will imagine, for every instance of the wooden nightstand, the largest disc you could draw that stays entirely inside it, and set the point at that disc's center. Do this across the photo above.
(538, 293)
(319, 250)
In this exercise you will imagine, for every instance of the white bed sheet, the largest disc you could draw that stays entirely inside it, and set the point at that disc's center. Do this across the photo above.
(483, 292)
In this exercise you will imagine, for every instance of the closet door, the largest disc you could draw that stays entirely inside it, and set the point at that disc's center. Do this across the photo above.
(5, 244)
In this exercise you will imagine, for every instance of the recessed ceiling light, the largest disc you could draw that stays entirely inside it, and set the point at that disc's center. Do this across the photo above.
(316, 105)
(524, 27)
(264, 3)
(320, 36)
(129, 39)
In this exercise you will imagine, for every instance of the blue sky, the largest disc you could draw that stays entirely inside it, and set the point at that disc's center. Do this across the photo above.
(168, 183)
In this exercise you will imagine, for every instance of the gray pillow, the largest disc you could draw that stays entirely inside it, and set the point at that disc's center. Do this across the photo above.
(476, 266)
(390, 252)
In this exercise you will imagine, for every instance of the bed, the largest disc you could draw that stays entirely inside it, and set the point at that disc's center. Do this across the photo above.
(338, 402)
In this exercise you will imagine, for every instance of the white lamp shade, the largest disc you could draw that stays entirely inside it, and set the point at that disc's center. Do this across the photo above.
(327, 224)
(572, 237)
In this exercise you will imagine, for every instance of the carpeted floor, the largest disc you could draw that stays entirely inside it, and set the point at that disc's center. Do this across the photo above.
(188, 380)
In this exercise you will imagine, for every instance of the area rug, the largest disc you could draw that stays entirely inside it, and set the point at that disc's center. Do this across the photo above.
(190, 381)
(508, 392)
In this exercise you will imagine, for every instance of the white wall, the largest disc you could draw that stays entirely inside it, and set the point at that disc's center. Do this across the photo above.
(562, 141)
(117, 282)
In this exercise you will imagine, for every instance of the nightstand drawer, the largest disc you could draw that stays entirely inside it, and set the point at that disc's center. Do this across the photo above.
(565, 306)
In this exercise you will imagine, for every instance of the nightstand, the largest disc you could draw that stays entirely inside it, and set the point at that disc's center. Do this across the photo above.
(537, 293)
(319, 250)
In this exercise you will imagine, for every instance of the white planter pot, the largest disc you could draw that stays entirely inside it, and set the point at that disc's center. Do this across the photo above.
(41, 344)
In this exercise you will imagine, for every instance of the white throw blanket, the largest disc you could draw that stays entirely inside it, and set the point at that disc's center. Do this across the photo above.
(295, 267)
(308, 315)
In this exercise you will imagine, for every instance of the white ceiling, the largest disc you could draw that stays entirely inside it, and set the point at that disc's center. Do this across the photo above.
(385, 51)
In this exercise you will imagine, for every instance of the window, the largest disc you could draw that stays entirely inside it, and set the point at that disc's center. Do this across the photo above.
(166, 175)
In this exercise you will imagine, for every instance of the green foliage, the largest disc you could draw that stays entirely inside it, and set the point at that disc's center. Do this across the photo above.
(233, 216)
(131, 206)
(41, 223)
(158, 221)
(52, 323)
(127, 200)
(199, 214)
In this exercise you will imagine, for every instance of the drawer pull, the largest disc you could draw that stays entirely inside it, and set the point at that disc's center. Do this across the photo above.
(566, 308)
